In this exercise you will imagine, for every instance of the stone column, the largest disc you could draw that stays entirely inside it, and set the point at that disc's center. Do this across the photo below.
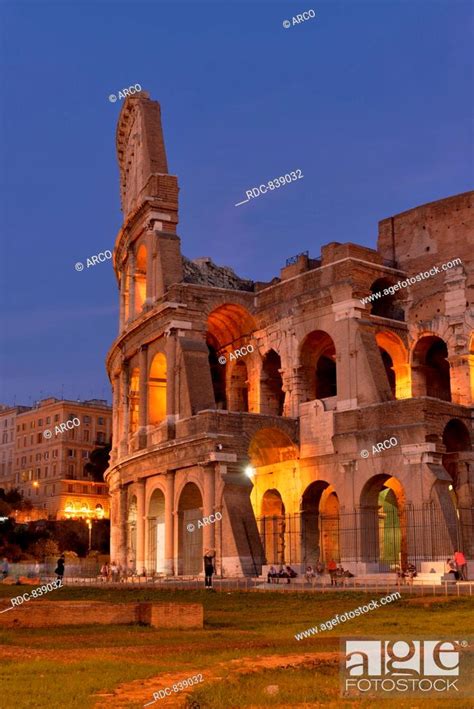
(115, 417)
(140, 488)
(209, 531)
(150, 273)
(169, 523)
(143, 393)
(171, 376)
(118, 519)
(131, 288)
(461, 369)
(125, 409)
(123, 295)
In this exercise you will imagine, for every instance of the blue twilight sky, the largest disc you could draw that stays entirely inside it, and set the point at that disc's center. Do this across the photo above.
(373, 101)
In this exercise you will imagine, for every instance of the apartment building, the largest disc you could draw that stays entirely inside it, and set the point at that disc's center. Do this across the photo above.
(52, 444)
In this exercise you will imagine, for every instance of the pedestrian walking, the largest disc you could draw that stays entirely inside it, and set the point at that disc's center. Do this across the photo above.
(5, 568)
(114, 571)
(332, 567)
(59, 570)
(461, 564)
(209, 568)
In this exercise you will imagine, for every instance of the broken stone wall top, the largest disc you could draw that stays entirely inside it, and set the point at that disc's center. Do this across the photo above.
(204, 271)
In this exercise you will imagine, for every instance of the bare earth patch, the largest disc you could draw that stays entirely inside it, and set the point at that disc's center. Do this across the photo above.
(141, 691)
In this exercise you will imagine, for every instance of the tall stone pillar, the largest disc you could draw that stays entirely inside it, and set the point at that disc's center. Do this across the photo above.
(171, 403)
(115, 417)
(169, 523)
(209, 530)
(461, 369)
(125, 409)
(131, 286)
(123, 299)
(118, 519)
(143, 394)
(150, 268)
(140, 488)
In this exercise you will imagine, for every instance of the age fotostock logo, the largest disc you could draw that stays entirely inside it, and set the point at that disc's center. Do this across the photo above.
(386, 666)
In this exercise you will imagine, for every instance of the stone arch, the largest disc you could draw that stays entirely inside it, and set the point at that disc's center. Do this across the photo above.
(319, 523)
(430, 368)
(458, 461)
(134, 400)
(387, 306)
(273, 526)
(190, 549)
(395, 360)
(140, 278)
(132, 531)
(229, 327)
(269, 446)
(157, 382)
(155, 555)
(318, 366)
(272, 396)
(383, 523)
(238, 387)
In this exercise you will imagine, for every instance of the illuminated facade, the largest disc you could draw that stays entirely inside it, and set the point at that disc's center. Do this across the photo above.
(49, 471)
(272, 440)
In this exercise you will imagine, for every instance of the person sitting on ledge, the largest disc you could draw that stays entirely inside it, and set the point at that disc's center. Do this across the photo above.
(283, 574)
(411, 573)
(309, 574)
(272, 575)
(451, 568)
(291, 572)
(339, 576)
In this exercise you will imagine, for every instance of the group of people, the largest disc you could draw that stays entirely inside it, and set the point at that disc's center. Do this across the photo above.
(114, 572)
(406, 575)
(336, 572)
(457, 566)
(284, 572)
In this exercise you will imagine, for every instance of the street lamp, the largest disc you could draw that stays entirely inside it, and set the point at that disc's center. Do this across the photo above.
(249, 471)
(89, 526)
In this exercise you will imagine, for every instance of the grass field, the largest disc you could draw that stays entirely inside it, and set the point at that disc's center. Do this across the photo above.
(246, 647)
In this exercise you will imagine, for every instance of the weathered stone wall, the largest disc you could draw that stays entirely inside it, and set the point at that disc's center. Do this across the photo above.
(42, 614)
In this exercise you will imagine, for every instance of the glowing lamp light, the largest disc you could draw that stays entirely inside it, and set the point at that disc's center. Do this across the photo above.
(249, 471)
(36, 484)
(450, 487)
(69, 508)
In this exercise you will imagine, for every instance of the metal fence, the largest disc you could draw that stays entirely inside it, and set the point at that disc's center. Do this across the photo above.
(385, 538)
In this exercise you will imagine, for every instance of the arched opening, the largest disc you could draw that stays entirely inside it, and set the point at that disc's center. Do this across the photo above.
(318, 364)
(132, 532)
(134, 400)
(272, 396)
(140, 278)
(319, 523)
(217, 373)
(238, 387)
(269, 446)
(387, 306)
(157, 390)
(457, 461)
(190, 511)
(431, 368)
(383, 522)
(273, 527)
(395, 360)
(156, 534)
(229, 327)
(389, 371)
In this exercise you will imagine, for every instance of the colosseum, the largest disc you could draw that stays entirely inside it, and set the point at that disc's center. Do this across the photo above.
(324, 415)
